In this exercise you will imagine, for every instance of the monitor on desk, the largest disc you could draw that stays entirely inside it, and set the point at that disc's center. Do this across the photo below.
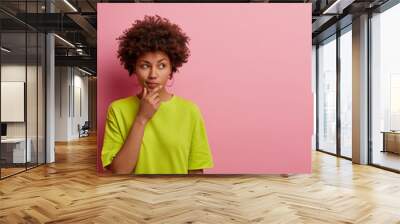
(3, 130)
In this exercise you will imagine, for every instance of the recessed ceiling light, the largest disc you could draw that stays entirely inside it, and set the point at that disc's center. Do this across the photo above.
(86, 72)
(64, 40)
(70, 5)
(5, 50)
(338, 6)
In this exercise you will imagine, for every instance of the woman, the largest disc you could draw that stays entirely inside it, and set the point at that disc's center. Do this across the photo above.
(154, 132)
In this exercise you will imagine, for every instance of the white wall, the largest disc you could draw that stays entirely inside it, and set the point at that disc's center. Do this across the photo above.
(34, 125)
(15, 72)
(71, 93)
(81, 89)
(61, 103)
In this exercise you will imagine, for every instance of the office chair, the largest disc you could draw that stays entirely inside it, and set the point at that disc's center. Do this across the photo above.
(84, 130)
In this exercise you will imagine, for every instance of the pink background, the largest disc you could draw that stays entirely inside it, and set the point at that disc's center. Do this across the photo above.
(249, 72)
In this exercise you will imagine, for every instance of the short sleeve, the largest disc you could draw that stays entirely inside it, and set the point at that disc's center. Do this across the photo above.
(200, 153)
(113, 139)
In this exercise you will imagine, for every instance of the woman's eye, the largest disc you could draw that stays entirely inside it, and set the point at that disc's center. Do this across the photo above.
(161, 66)
(145, 66)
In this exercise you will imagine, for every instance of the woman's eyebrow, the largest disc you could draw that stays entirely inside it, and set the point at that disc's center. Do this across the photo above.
(150, 62)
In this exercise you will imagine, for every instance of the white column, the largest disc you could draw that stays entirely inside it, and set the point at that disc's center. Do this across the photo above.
(50, 93)
(360, 90)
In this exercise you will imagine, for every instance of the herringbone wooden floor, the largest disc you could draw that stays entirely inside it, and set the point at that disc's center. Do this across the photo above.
(69, 191)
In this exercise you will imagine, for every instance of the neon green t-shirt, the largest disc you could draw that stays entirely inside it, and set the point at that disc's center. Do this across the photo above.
(174, 140)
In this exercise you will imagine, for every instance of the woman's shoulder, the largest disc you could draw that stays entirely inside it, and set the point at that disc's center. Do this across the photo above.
(125, 102)
(187, 103)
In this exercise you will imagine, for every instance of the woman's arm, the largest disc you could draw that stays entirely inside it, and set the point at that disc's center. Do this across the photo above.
(200, 157)
(196, 171)
(125, 161)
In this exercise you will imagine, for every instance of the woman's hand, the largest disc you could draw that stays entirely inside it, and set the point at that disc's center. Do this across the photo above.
(149, 103)
(125, 161)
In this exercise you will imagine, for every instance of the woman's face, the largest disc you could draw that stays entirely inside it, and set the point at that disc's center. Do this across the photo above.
(153, 69)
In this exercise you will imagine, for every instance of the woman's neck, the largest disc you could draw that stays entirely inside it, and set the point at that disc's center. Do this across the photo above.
(164, 95)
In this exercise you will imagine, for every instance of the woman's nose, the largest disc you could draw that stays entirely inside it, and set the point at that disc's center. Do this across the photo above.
(153, 72)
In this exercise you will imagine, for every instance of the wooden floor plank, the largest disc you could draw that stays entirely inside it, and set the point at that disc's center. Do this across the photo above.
(70, 191)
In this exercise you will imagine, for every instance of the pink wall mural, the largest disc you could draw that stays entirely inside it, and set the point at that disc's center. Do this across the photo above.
(249, 72)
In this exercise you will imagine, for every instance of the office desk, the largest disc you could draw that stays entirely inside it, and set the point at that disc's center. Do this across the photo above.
(391, 141)
(13, 150)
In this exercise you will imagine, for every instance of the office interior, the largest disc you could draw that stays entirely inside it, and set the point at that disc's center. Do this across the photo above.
(48, 83)
(48, 80)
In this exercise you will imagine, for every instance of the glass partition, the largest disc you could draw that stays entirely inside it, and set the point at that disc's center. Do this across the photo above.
(22, 89)
(327, 95)
(14, 153)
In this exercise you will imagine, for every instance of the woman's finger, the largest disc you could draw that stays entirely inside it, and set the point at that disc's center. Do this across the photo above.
(144, 92)
(155, 90)
(154, 96)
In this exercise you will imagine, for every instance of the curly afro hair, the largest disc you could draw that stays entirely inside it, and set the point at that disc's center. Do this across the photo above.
(151, 34)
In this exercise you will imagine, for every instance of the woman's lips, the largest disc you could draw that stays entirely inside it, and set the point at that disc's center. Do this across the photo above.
(151, 85)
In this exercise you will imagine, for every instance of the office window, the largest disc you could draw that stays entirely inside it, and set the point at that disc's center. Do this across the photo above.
(385, 88)
(346, 92)
(327, 95)
(314, 88)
